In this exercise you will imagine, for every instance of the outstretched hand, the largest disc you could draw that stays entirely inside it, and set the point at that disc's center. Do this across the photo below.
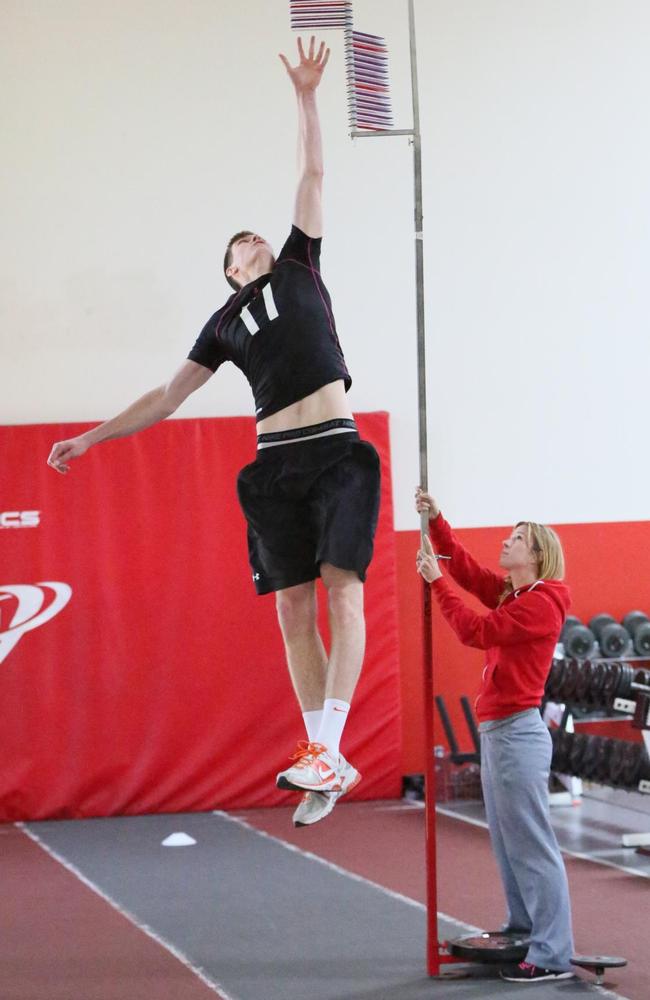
(63, 451)
(307, 74)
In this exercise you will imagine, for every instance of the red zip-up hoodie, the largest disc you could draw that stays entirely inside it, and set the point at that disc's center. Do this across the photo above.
(519, 635)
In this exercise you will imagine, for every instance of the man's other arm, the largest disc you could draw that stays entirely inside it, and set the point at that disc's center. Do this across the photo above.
(149, 409)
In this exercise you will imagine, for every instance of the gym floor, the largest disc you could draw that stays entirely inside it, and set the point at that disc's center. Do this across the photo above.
(255, 910)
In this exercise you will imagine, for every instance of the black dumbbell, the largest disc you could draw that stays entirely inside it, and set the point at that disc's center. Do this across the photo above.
(583, 682)
(597, 676)
(644, 765)
(617, 764)
(561, 751)
(603, 758)
(567, 691)
(642, 678)
(555, 679)
(637, 624)
(612, 676)
(579, 748)
(641, 718)
(612, 638)
(577, 639)
(632, 761)
(569, 622)
(618, 682)
(624, 689)
(589, 764)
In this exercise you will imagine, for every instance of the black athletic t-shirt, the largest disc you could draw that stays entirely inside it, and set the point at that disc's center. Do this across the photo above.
(279, 330)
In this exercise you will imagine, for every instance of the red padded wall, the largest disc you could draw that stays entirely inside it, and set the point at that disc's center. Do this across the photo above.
(160, 686)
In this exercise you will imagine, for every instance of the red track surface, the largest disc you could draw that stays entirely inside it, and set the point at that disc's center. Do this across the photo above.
(385, 843)
(60, 940)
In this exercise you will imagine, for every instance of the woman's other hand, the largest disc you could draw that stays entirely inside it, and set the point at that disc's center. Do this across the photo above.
(426, 562)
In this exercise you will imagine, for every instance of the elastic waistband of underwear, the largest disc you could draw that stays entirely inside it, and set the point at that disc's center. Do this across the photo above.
(311, 433)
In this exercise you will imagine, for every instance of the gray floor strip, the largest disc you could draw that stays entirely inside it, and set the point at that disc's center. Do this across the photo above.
(265, 922)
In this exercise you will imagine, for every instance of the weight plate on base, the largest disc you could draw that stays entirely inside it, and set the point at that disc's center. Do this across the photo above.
(491, 946)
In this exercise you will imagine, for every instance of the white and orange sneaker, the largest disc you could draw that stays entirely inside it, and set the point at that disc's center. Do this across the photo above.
(315, 806)
(315, 770)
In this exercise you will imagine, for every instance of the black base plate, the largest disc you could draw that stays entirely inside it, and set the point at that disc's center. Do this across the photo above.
(598, 963)
(491, 946)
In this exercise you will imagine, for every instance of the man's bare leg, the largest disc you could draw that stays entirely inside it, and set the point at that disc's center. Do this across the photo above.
(347, 628)
(315, 678)
(306, 656)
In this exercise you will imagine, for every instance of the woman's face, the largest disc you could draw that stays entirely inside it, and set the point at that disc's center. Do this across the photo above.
(516, 553)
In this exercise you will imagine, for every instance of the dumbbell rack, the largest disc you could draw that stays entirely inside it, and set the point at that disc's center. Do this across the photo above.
(639, 709)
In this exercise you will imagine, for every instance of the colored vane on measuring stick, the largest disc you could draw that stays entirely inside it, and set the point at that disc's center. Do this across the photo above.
(320, 14)
(366, 60)
(369, 105)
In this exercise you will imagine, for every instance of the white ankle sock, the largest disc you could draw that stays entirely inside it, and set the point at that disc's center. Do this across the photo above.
(335, 715)
(312, 723)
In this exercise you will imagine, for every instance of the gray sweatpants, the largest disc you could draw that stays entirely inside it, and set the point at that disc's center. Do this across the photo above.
(515, 764)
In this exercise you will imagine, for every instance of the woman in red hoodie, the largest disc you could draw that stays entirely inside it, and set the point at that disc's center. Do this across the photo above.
(528, 605)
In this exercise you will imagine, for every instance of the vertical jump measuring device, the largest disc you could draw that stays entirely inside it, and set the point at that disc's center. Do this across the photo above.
(369, 108)
(370, 114)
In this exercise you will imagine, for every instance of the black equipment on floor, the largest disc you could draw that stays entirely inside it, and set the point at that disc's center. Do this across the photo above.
(506, 949)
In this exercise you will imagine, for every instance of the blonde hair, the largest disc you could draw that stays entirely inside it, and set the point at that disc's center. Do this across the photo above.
(546, 545)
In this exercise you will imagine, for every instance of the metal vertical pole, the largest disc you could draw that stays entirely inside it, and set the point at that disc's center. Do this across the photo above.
(433, 957)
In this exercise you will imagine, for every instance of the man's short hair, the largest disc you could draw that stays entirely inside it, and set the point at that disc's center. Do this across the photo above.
(227, 260)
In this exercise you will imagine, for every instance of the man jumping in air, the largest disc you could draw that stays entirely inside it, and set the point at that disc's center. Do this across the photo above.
(311, 496)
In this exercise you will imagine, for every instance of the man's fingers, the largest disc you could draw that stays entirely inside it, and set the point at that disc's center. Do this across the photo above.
(319, 54)
(59, 456)
(58, 466)
(287, 64)
(324, 62)
(312, 42)
(301, 51)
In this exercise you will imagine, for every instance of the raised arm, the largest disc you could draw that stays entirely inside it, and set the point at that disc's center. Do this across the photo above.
(462, 566)
(306, 76)
(535, 615)
(149, 409)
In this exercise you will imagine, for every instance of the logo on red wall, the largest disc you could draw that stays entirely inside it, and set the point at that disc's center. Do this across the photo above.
(28, 606)
(20, 518)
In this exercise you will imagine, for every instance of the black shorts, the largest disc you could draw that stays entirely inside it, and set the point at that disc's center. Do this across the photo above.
(310, 496)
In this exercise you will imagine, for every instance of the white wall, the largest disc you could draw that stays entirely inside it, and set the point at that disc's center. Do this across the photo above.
(139, 135)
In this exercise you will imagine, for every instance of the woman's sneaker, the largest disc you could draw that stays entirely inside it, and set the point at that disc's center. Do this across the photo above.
(527, 973)
(315, 806)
